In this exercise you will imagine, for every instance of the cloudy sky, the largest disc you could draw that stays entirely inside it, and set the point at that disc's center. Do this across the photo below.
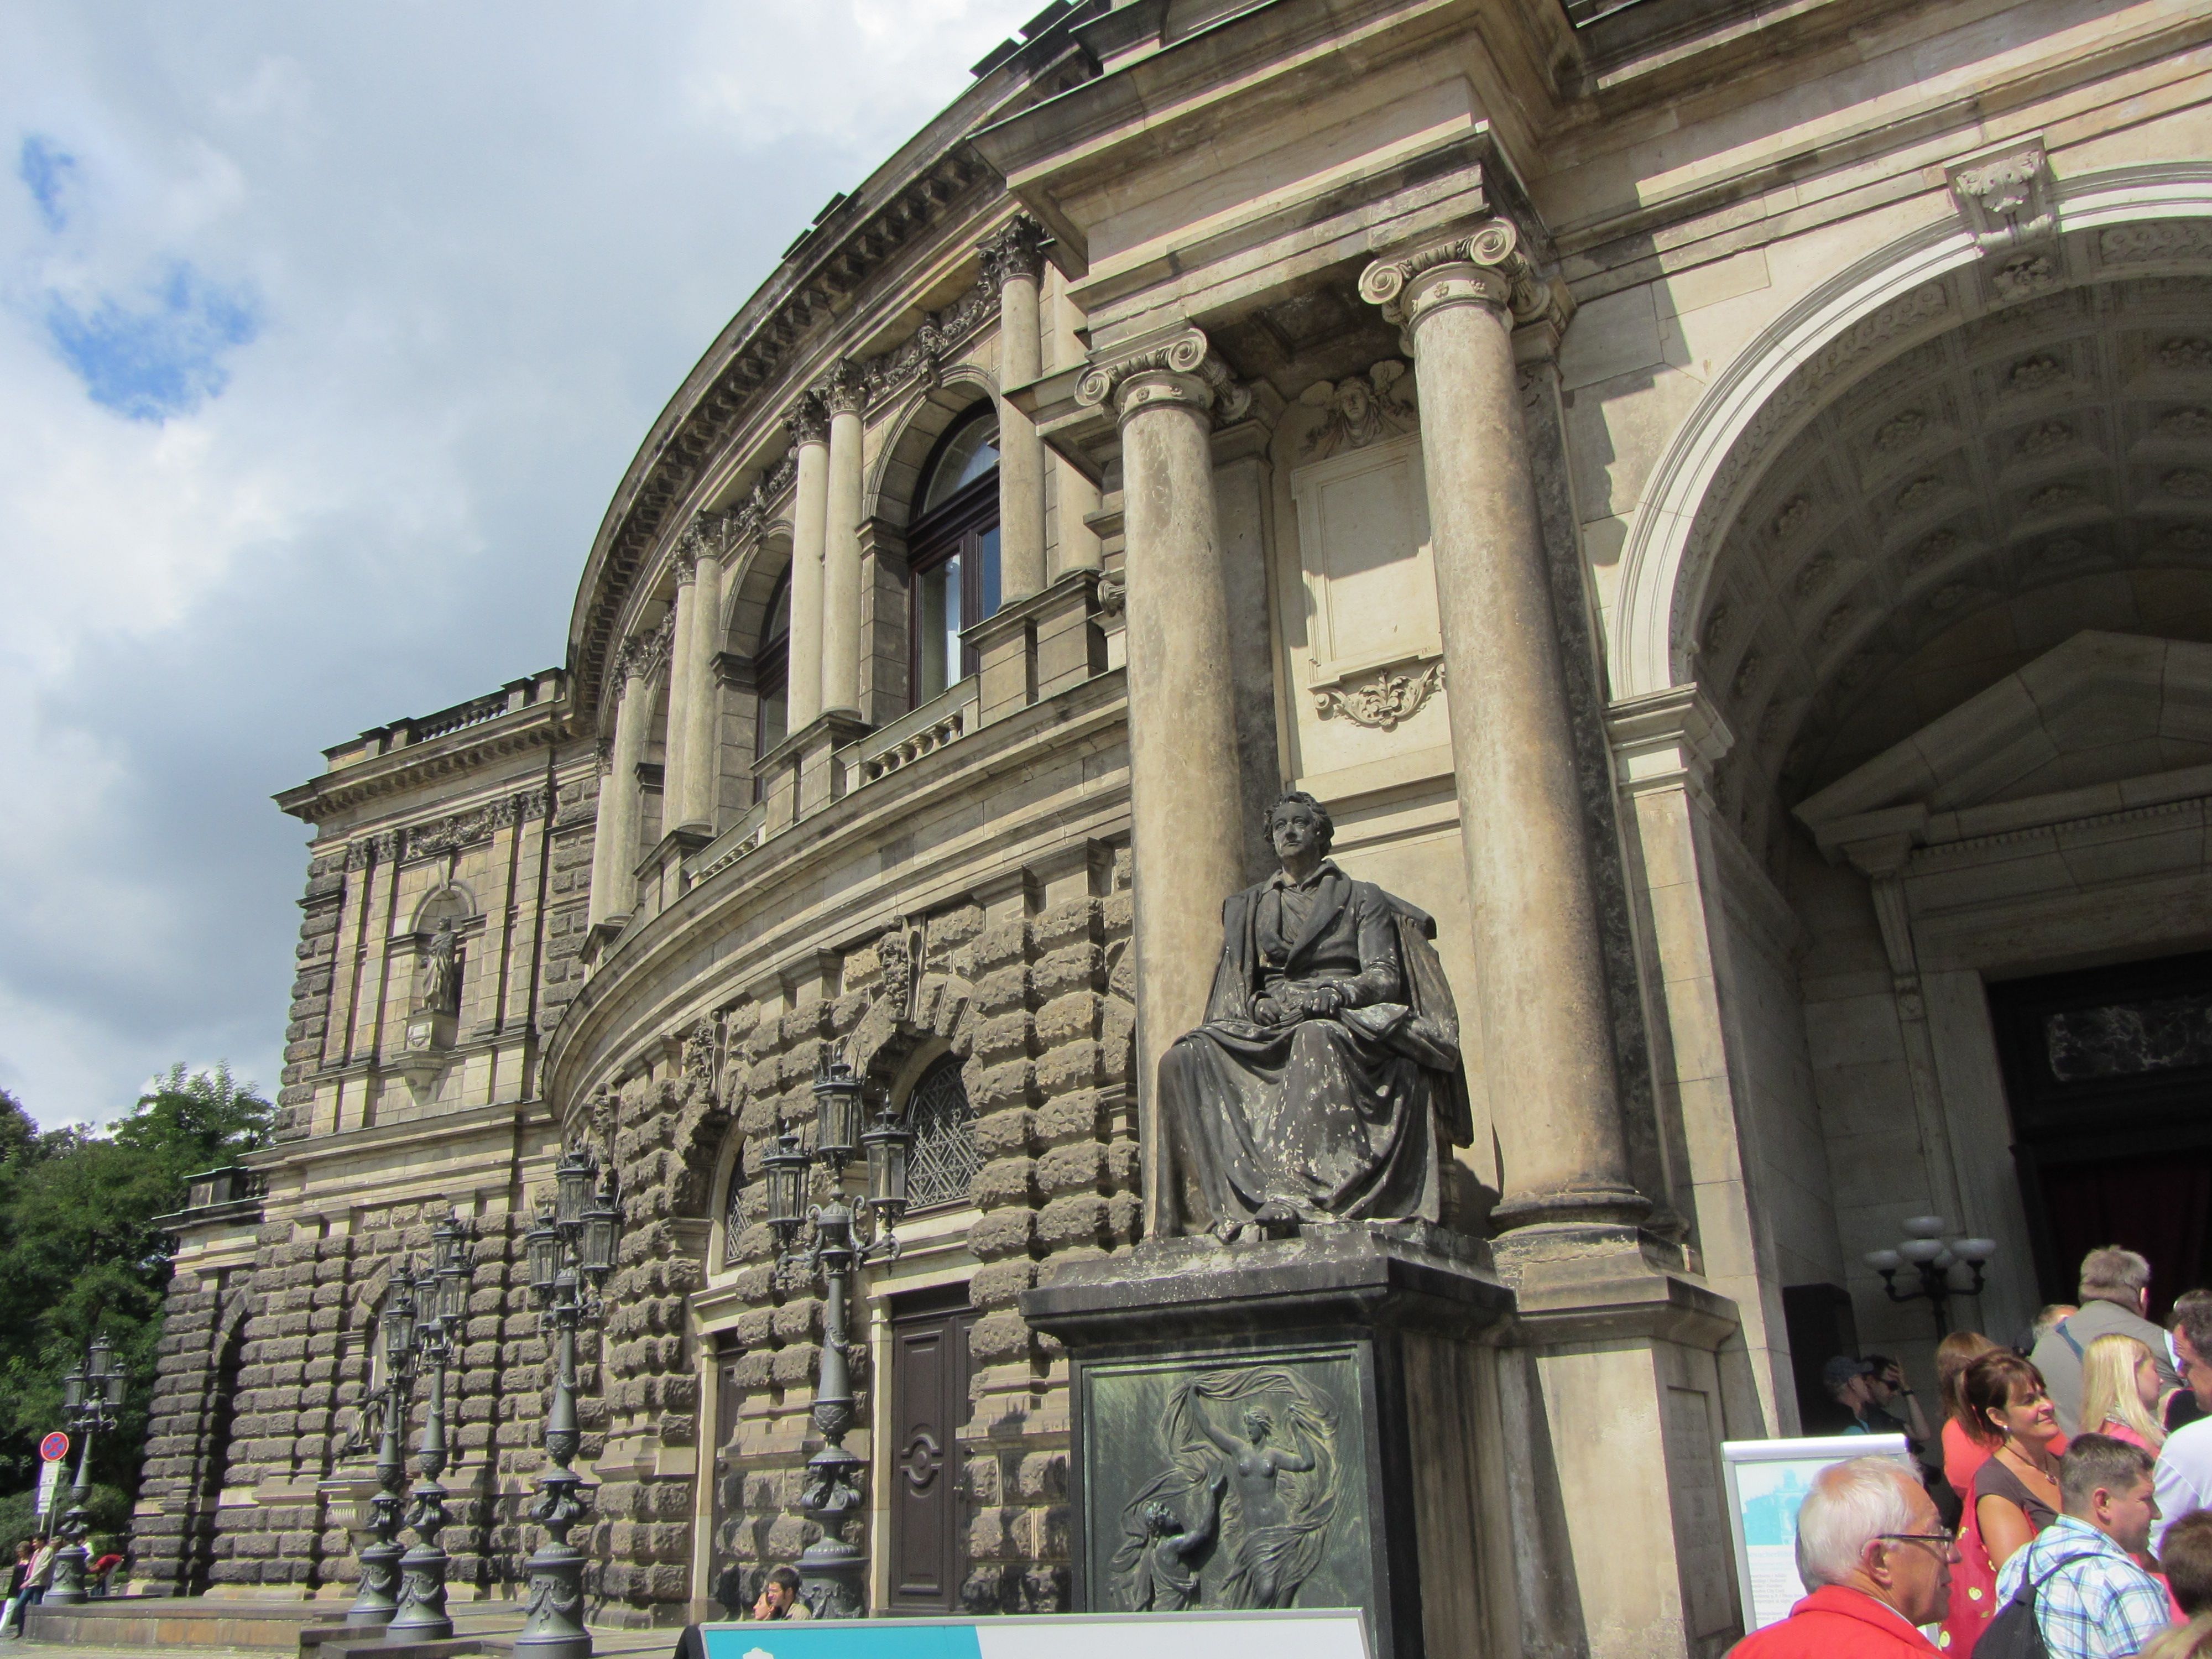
(326, 334)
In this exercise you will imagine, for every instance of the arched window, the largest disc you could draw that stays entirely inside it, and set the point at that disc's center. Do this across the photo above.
(942, 1163)
(772, 667)
(733, 1220)
(953, 545)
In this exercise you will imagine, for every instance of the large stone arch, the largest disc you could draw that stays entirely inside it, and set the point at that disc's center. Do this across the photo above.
(912, 432)
(1923, 284)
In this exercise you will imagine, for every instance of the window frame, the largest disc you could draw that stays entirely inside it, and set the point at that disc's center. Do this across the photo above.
(955, 527)
(772, 662)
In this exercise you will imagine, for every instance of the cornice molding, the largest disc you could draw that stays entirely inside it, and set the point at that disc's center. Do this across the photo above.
(527, 729)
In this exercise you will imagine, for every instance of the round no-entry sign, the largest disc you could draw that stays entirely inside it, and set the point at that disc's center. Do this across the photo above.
(54, 1447)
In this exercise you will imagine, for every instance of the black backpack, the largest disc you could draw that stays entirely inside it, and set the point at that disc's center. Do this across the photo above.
(2014, 1633)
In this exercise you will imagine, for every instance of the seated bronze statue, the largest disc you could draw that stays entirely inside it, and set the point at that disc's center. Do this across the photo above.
(1327, 1075)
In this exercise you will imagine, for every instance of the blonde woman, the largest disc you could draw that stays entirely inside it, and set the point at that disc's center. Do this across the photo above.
(2119, 1392)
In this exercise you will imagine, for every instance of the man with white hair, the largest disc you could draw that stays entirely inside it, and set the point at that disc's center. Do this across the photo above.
(2115, 1291)
(1877, 1559)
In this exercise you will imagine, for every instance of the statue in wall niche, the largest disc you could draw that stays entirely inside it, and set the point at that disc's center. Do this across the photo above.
(1268, 1494)
(441, 992)
(1326, 1076)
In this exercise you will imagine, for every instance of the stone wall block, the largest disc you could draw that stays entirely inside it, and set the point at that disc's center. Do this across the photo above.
(755, 1328)
(794, 1366)
(994, 1087)
(1000, 1337)
(1005, 1134)
(1071, 1017)
(1072, 1066)
(1078, 1115)
(1004, 1182)
(1043, 1478)
(1077, 1168)
(1000, 1233)
(990, 1535)
(996, 1283)
(1073, 1218)
(1002, 990)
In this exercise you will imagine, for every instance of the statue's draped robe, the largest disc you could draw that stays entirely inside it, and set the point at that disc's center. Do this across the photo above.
(1335, 1115)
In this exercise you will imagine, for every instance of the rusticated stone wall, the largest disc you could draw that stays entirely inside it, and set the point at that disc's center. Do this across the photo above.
(1027, 985)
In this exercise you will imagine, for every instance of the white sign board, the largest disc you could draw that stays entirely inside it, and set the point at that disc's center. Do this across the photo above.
(1291, 1633)
(50, 1478)
(1767, 1480)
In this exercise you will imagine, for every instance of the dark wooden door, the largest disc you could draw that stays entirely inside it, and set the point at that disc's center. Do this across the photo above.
(921, 1468)
(726, 1580)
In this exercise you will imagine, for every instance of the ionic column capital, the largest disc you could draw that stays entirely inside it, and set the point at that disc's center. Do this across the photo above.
(1163, 371)
(1015, 250)
(1486, 265)
(843, 390)
(808, 419)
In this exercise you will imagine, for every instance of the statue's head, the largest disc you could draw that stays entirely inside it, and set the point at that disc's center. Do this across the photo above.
(1296, 809)
(1259, 1424)
(1159, 1518)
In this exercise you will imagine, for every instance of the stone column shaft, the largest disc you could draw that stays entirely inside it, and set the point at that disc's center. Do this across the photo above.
(809, 523)
(1075, 496)
(614, 842)
(703, 702)
(840, 562)
(1184, 790)
(1013, 258)
(1541, 988)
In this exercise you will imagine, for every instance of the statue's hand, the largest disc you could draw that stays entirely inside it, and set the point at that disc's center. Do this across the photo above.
(1268, 1012)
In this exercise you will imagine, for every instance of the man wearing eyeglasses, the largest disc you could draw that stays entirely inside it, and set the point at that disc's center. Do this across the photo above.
(1878, 1559)
(2092, 1600)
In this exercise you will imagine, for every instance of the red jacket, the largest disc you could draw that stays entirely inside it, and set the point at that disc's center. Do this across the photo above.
(1835, 1623)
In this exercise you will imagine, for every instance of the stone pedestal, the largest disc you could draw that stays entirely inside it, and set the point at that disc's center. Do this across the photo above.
(1370, 1350)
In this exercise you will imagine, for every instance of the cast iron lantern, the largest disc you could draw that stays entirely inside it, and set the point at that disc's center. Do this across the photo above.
(572, 1182)
(595, 1247)
(836, 1113)
(544, 1244)
(783, 1171)
(888, 1140)
(398, 1319)
(73, 1390)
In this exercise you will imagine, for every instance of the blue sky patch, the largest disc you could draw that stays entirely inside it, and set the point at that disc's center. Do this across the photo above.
(162, 357)
(50, 174)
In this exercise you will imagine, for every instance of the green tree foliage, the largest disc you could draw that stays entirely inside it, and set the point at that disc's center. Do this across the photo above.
(79, 1252)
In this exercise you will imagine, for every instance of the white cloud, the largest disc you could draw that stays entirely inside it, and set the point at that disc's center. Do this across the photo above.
(481, 247)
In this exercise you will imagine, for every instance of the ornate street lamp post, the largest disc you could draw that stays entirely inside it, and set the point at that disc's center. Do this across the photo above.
(92, 1394)
(442, 1309)
(1923, 1247)
(572, 1251)
(833, 1571)
(378, 1599)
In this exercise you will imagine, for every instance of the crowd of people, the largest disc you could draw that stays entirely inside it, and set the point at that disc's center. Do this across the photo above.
(2062, 1511)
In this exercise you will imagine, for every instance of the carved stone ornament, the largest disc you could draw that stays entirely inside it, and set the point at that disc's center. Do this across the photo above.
(1179, 367)
(1015, 249)
(809, 420)
(1360, 409)
(1384, 699)
(2003, 197)
(1498, 271)
(843, 390)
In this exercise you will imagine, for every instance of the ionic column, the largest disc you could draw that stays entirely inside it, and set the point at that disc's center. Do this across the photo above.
(1540, 977)
(845, 396)
(1184, 791)
(1012, 260)
(809, 522)
(674, 768)
(614, 838)
(703, 702)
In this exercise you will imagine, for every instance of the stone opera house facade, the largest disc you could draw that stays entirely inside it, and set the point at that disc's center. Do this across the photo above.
(1714, 498)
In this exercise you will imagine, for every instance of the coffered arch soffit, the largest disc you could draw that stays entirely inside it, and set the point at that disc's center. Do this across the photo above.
(1925, 284)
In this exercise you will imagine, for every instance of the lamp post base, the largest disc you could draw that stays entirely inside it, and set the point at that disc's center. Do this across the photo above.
(420, 1616)
(378, 1600)
(68, 1588)
(553, 1622)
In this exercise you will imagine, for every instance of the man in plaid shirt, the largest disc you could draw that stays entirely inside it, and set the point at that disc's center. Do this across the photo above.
(2092, 1600)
